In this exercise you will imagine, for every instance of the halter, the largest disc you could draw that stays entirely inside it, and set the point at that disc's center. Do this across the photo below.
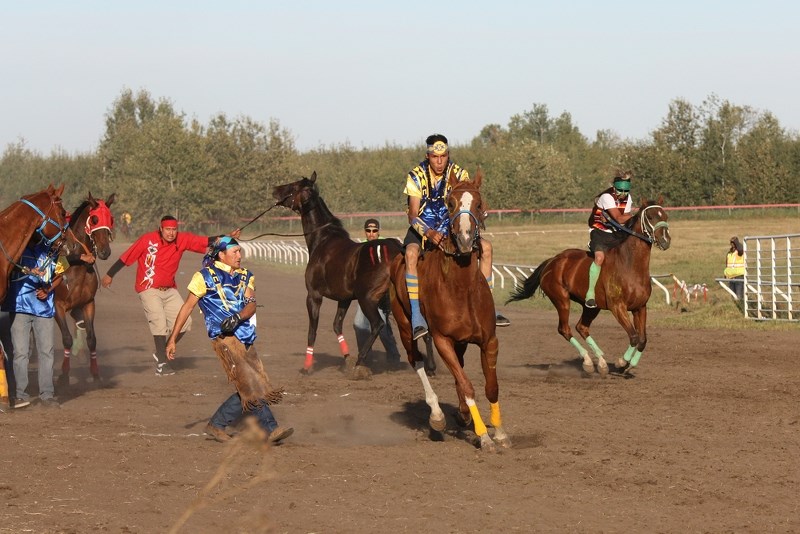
(45, 221)
(475, 234)
(648, 228)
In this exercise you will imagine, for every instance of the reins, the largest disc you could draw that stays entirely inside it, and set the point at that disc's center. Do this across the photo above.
(275, 234)
(649, 233)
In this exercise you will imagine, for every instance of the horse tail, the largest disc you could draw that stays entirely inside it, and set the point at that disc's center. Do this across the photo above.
(530, 285)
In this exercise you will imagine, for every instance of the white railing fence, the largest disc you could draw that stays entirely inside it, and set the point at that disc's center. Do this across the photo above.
(289, 252)
(772, 277)
(295, 253)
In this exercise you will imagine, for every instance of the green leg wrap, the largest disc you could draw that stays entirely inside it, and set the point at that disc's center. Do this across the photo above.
(597, 351)
(577, 344)
(594, 274)
(629, 353)
(635, 359)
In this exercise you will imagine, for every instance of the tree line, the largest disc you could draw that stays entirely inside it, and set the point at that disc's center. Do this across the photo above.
(158, 161)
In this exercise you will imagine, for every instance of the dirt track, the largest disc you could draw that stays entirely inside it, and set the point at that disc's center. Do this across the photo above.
(704, 439)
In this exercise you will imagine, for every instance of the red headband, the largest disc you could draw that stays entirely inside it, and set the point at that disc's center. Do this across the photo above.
(169, 223)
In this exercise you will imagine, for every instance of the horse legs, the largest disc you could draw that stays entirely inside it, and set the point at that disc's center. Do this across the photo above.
(313, 303)
(589, 315)
(338, 321)
(66, 339)
(634, 352)
(561, 302)
(430, 359)
(464, 389)
(91, 339)
(492, 390)
(370, 310)
(631, 328)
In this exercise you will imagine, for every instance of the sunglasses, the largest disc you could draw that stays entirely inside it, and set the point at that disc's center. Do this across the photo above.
(371, 231)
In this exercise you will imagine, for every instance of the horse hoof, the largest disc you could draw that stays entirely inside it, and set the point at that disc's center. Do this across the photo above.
(603, 371)
(504, 442)
(588, 368)
(361, 372)
(437, 424)
(487, 444)
(501, 438)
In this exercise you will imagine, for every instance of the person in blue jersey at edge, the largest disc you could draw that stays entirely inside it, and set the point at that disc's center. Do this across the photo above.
(31, 307)
(226, 293)
(427, 190)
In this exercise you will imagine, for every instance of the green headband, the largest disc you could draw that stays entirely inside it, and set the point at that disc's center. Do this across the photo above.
(622, 185)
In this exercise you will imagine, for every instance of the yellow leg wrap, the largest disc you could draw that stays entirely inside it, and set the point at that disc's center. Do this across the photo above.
(494, 416)
(3, 383)
(480, 428)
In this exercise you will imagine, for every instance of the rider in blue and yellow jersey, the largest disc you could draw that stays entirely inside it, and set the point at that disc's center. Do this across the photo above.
(427, 190)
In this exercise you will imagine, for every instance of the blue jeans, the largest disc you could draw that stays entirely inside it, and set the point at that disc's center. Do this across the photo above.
(231, 410)
(21, 326)
(362, 327)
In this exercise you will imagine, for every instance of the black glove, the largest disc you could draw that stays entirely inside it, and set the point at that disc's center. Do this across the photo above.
(229, 324)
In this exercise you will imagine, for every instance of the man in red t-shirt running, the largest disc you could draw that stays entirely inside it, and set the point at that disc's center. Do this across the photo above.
(157, 255)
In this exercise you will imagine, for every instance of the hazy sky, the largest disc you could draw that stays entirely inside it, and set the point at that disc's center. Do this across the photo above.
(368, 73)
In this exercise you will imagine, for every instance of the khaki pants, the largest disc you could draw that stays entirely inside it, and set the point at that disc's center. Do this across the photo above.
(161, 308)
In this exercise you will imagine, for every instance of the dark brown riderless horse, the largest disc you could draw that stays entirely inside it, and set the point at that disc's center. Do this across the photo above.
(40, 213)
(338, 268)
(91, 224)
(624, 286)
(459, 308)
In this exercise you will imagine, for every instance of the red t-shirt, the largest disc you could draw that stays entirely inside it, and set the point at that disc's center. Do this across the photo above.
(157, 260)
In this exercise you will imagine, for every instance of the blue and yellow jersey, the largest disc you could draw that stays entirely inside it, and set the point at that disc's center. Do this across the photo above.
(432, 192)
(221, 291)
(42, 270)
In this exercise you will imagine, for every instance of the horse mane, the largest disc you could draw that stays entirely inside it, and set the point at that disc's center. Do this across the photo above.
(73, 220)
(334, 223)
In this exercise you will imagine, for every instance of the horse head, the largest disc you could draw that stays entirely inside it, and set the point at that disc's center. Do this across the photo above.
(99, 224)
(53, 219)
(652, 222)
(297, 194)
(466, 212)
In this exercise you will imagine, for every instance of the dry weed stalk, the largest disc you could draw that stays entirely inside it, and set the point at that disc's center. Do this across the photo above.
(252, 440)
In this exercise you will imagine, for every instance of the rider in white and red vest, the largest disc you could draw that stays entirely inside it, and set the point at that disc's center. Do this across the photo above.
(614, 203)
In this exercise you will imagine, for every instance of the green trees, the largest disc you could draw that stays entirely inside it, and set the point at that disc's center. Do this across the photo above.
(158, 161)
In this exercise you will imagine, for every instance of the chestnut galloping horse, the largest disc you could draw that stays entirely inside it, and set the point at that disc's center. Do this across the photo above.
(91, 224)
(624, 286)
(457, 303)
(338, 268)
(39, 213)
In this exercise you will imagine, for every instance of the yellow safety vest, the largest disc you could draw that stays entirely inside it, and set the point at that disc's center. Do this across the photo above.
(734, 265)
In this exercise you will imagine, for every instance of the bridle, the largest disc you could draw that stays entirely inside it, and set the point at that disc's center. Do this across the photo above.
(49, 241)
(476, 235)
(649, 228)
(46, 220)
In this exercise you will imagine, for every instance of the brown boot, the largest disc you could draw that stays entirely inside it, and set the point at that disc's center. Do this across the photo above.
(217, 433)
(280, 433)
